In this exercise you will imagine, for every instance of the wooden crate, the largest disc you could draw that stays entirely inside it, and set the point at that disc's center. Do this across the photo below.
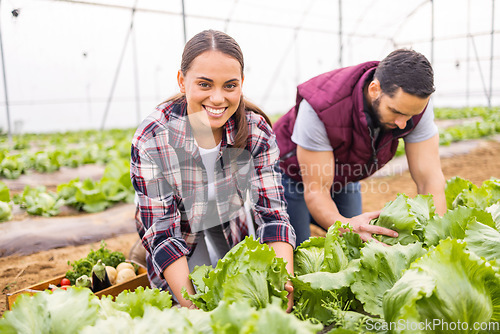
(140, 280)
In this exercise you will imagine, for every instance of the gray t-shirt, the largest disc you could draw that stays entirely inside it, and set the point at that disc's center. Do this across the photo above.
(309, 131)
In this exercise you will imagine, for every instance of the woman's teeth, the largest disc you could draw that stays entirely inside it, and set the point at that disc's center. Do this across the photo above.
(215, 111)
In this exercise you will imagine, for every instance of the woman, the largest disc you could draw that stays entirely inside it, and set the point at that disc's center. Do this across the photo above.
(193, 162)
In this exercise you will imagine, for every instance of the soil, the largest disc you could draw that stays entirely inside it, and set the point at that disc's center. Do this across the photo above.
(20, 271)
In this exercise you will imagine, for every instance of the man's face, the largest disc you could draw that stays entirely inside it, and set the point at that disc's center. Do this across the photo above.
(394, 112)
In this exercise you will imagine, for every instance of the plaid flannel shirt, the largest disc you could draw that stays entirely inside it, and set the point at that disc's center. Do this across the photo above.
(170, 182)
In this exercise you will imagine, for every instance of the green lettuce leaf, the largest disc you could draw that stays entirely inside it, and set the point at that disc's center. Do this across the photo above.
(380, 268)
(352, 245)
(4, 192)
(134, 302)
(249, 271)
(37, 201)
(57, 312)
(494, 210)
(169, 320)
(493, 187)
(447, 284)
(407, 216)
(5, 211)
(67, 191)
(309, 256)
(242, 318)
(91, 196)
(454, 187)
(43, 204)
(334, 258)
(331, 281)
(454, 224)
(313, 291)
(330, 253)
(251, 287)
(12, 166)
(356, 323)
(479, 197)
(483, 240)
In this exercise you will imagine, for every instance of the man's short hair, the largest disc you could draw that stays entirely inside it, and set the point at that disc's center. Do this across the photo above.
(408, 70)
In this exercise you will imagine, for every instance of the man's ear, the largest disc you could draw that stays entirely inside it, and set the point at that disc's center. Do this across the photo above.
(180, 81)
(374, 89)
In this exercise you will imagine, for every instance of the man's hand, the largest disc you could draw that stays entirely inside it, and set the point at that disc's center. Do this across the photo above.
(425, 169)
(361, 225)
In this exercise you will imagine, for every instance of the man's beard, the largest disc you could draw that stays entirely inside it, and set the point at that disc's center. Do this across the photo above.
(376, 114)
(377, 123)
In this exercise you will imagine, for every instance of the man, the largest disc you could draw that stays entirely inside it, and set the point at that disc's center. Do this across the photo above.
(345, 126)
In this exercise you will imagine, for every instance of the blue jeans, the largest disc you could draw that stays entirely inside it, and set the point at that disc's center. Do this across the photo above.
(348, 202)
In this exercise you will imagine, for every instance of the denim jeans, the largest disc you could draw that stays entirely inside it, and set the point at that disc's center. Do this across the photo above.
(348, 202)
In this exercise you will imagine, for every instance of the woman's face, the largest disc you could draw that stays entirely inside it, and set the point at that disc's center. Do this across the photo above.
(213, 89)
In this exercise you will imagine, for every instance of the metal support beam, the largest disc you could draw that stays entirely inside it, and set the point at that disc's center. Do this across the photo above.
(136, 79)
(9, 132)
(184, 22)
(480, 70)
(117, 72)
(340, 34)
(432, 32)
(467, 75)
(490, 96)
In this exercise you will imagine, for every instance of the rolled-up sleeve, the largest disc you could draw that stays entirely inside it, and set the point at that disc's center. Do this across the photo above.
(271, 215)
(160, 231)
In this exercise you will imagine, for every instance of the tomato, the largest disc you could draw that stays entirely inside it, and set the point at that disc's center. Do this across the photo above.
(64, 287)
(65, 281)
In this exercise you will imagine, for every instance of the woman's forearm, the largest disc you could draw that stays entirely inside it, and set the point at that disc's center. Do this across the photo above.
(285, 251)
(177, 277)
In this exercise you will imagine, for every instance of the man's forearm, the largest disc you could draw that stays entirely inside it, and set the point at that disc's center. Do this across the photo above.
(322, 208)
(436, 189)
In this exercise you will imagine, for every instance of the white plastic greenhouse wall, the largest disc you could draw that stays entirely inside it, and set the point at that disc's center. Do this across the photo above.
(73, 65)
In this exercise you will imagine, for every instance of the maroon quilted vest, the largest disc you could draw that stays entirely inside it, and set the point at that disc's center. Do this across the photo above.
(337, 98)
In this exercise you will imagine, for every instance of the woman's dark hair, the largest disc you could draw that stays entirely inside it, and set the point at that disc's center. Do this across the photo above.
(408, 70)
(209, 40)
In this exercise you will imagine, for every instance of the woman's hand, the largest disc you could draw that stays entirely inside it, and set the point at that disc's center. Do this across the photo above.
(285, 251)
(289, 289)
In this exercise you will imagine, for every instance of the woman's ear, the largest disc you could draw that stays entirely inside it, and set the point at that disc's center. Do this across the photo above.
(180, 81)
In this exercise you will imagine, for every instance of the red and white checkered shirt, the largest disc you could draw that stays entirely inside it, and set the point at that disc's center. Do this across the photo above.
(170, 181)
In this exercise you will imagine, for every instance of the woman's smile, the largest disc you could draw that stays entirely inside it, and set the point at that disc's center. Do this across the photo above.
(215, 112)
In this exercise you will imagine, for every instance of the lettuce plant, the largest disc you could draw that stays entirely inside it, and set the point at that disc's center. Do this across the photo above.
(250, 271)
(37, 201)
(460, 192)
(407, 216)
(380, 268)
(5, 211)
(448, 284)
(4, 192)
